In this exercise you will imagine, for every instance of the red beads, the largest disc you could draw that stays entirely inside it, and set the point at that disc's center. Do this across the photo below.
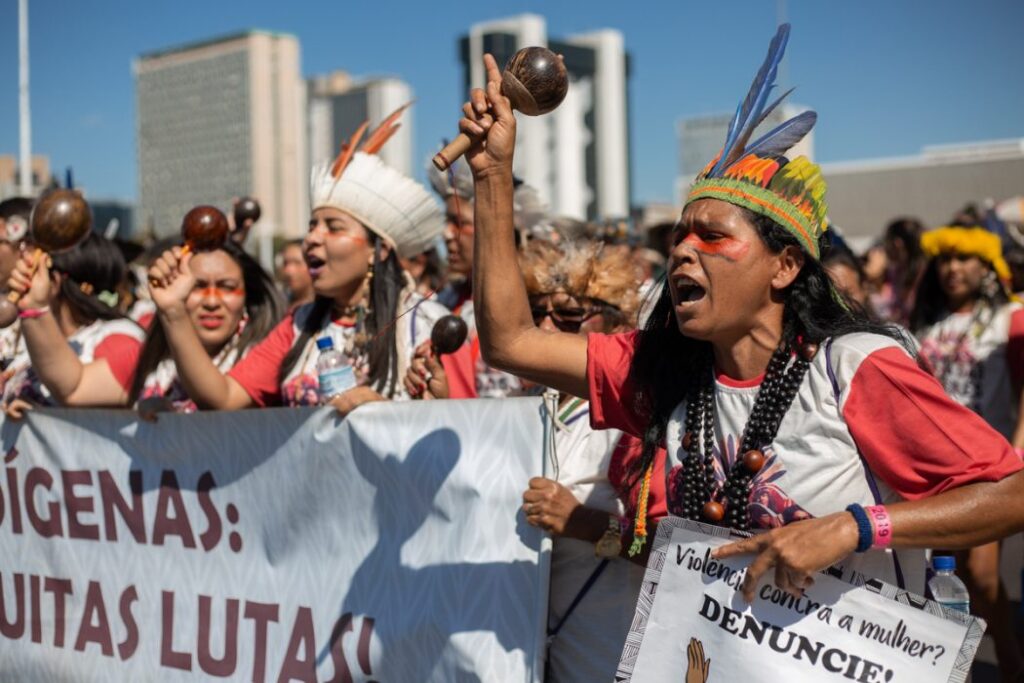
(808, 351)
(753, 461)
(713, 511)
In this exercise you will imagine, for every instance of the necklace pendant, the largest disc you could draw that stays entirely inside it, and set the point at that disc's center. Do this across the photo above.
(808, 351)
(713, 511)
(753, 461)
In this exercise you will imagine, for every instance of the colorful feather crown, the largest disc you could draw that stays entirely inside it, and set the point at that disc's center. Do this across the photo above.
(397, 208)
(757, 175)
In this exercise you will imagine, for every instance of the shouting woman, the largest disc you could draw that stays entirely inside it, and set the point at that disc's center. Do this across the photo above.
(365, 215)
(779, 407)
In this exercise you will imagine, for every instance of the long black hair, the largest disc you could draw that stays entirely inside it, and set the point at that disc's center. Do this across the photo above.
(668, 365)
(907, 231)
(386, 284)
(263, 305)
(930, 300)
(94, 266)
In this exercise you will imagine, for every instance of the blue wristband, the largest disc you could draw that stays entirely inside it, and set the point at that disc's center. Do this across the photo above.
(865, 533)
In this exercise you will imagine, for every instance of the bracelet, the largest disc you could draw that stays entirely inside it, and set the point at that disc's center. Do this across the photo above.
(881, 526)
(865, 533)
(34, 312)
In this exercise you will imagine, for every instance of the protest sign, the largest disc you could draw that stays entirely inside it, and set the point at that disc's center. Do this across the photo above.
(692, 625)
(273, 545)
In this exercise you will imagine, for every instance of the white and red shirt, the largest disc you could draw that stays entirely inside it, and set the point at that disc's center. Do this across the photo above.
(589, 642)
(118, 342)
(257, 373)
(164, 382)
(978, 356)
(866, 426)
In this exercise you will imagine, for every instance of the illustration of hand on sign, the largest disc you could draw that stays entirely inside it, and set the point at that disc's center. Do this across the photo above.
(698, 668)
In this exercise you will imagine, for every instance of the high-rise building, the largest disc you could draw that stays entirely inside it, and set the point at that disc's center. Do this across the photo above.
(338, 105)
(218, 119)
(702, 137)
(577, 156)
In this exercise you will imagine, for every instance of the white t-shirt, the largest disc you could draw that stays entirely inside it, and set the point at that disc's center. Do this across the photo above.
(588, 646)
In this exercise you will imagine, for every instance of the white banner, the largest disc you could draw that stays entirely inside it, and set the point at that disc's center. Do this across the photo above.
(273, 545)
(698, 628)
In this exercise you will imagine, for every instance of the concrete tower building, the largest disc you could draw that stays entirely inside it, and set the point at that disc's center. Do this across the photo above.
(338, 105)
(578, 155)
(219, 119)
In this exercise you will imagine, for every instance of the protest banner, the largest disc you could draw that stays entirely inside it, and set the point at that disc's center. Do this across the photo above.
(273, 545)
(693, 626)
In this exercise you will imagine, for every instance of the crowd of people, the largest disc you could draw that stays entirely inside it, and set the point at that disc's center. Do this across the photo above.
(741, 366)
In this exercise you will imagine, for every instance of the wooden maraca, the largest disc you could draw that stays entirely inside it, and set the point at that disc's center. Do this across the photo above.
(448, 334)
(60, 220)
(204, 227)
(535, 82)
(247, 209)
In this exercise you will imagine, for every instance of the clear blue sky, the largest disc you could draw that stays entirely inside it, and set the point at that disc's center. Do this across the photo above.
(886, 77)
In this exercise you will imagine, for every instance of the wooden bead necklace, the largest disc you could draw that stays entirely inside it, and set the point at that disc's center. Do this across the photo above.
(701, 500)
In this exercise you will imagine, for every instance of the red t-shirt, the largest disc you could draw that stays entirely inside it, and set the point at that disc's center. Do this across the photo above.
(122, 355)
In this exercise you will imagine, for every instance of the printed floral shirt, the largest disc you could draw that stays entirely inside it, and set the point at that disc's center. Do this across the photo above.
(978, 356)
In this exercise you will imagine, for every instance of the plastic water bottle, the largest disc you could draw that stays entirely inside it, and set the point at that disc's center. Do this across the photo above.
(946, 588)
(334, 373)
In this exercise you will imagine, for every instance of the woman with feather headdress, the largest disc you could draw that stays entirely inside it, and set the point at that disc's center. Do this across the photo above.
(750, 340)
(365, 215)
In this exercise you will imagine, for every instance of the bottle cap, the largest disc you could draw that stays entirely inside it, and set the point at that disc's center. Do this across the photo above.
(324, 343)
(944, 563)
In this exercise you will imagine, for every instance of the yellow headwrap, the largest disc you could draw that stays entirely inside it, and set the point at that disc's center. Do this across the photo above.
(969, 241)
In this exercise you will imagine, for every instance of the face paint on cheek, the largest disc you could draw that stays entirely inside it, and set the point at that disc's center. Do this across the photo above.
(729, 248)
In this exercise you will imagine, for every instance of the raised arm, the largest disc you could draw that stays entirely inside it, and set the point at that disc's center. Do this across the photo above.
(170, 282)
(508, 338)
(70, 381)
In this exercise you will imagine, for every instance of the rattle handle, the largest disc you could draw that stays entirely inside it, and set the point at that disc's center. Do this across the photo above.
(452, 151)
(14, 295)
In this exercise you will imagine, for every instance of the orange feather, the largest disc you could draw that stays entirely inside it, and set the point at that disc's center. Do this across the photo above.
(384, 131)
(347, 150)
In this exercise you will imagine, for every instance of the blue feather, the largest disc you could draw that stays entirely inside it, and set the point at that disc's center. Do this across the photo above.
(779, 139)
(771, 107)
(751, 110)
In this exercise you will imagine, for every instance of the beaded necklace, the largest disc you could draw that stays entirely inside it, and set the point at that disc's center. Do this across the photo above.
(701, 498)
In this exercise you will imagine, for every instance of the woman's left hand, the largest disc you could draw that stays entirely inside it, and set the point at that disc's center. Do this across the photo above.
(348, 401)
(797, 551)
(549, 505)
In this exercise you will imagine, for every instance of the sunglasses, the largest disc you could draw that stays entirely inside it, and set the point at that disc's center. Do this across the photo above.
(566, 319)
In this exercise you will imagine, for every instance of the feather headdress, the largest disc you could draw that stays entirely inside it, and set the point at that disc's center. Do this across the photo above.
(583, 269)
(756, 174)
(395, 207)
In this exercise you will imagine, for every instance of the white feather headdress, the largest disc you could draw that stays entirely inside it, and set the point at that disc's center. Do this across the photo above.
(392, 205)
